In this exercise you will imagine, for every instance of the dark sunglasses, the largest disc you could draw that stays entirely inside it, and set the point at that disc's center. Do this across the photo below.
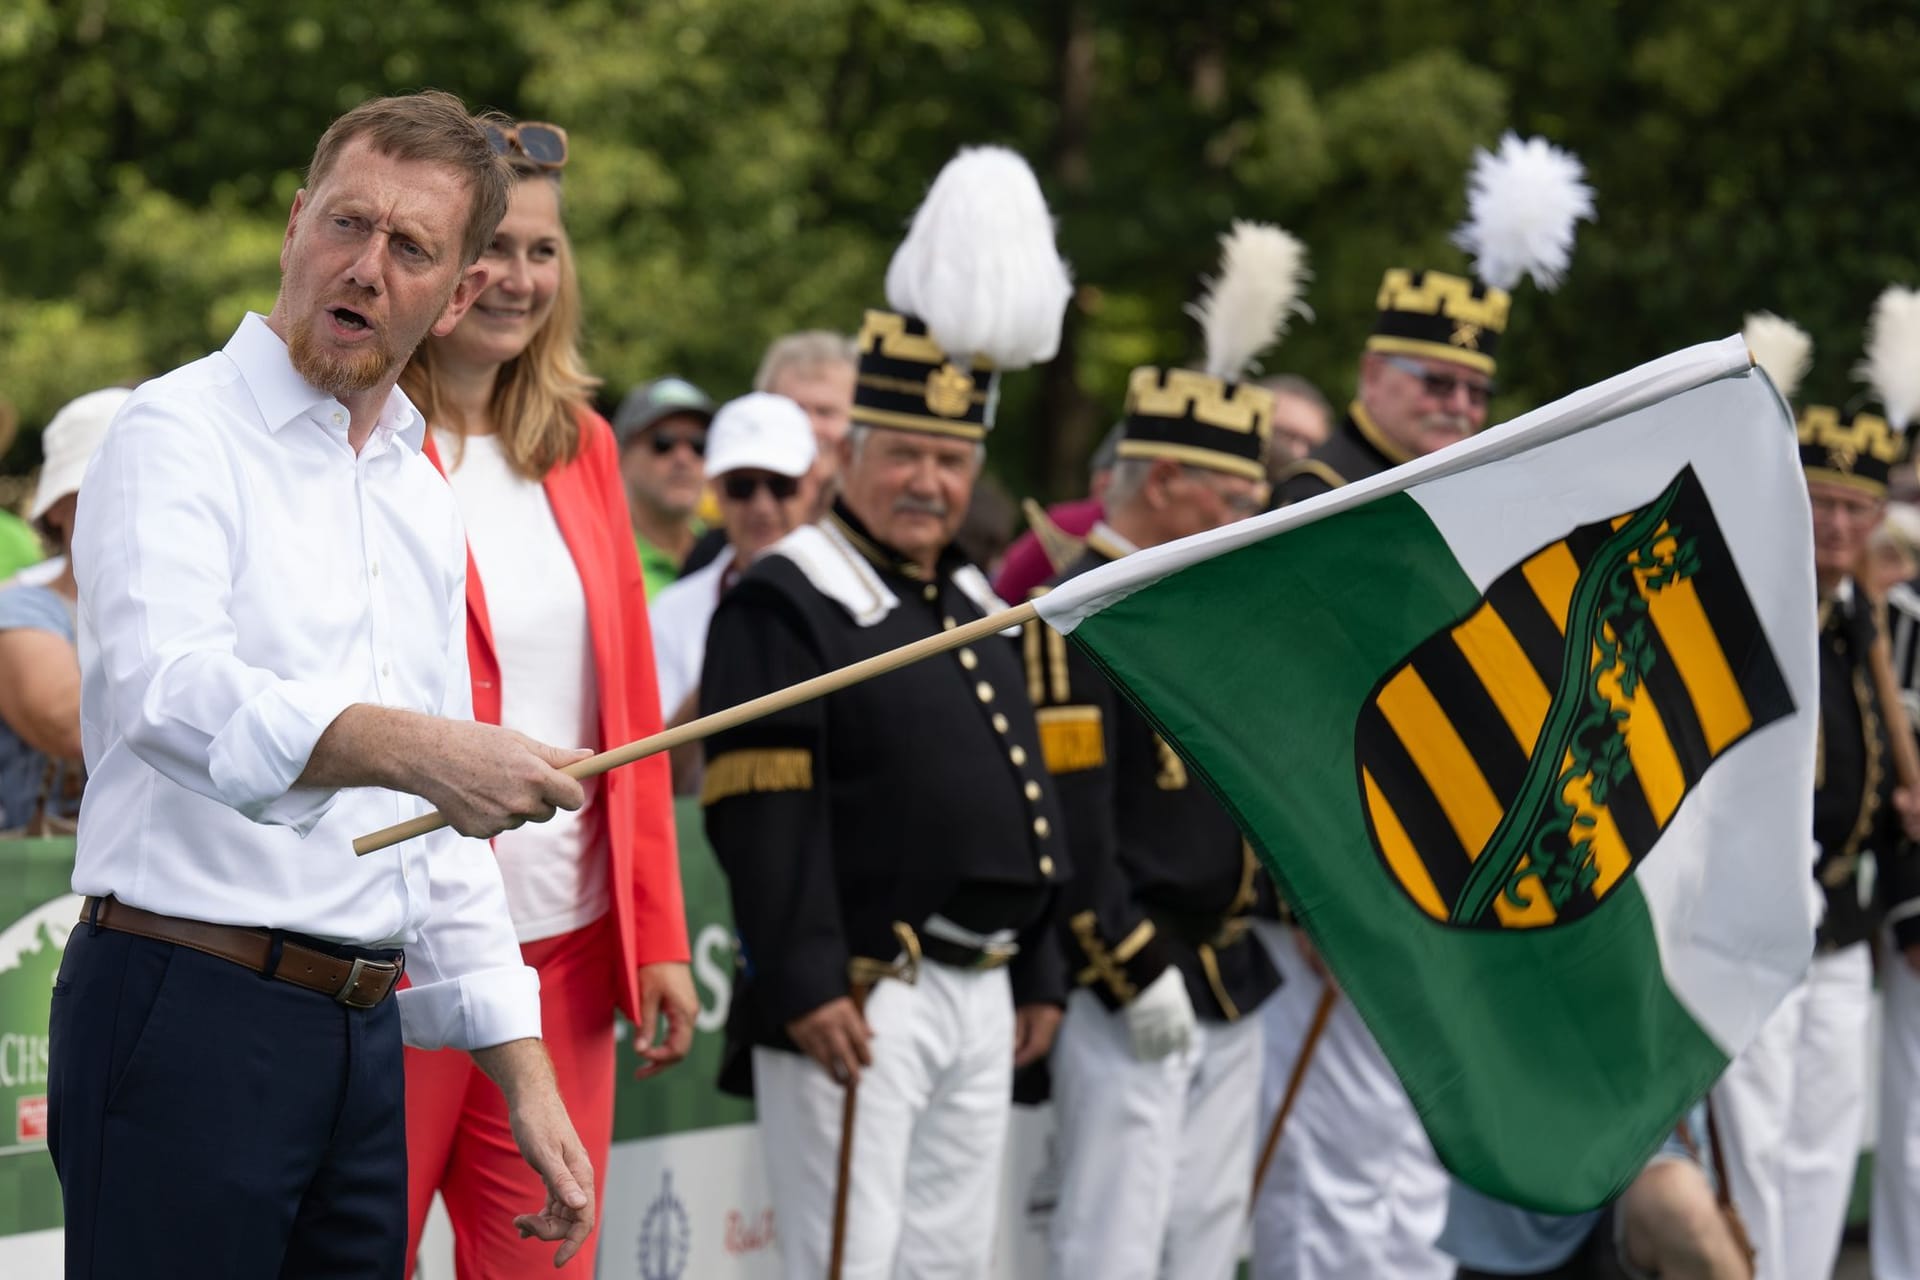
(1441, 386)
(742, 485)
(544, 144)
(664, 444)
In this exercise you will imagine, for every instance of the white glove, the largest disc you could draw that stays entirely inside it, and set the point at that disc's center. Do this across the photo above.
(1160, 1019)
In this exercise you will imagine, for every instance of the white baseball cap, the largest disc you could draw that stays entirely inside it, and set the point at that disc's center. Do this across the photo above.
(69, 441)
(763, 431)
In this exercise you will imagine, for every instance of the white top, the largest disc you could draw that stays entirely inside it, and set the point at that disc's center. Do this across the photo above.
(556, 872)
(679, 617)
(244, 578)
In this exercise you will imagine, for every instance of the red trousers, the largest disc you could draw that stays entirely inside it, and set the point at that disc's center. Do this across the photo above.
(458, 1140)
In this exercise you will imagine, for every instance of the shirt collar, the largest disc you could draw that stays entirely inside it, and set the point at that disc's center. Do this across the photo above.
(282, 395)
(885, 557)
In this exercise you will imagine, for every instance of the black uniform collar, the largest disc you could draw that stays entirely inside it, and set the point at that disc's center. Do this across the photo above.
(884, 557)
(1362, 425)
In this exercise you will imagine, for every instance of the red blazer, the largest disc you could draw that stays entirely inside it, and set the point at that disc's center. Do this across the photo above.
(590, 505)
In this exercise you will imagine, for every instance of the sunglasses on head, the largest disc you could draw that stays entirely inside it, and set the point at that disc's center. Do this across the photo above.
(742, 485)
(664, 443)
(544, 144)
(1441, 386)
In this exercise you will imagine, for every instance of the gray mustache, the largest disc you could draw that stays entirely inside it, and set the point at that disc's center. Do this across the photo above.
(904, 505)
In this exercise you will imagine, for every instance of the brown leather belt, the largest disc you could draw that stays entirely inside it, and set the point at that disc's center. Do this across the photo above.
(357, 983)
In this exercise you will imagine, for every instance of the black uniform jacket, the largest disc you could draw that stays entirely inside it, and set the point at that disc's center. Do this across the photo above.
(1162, 874)
(1853, 811)
(1353, 452)
(914, 793)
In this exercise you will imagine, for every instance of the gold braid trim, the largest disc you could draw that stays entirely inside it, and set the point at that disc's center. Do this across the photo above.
(1072, 739)
(1106, 964)
(739, 773)
(1210, 964)
(1842, 868)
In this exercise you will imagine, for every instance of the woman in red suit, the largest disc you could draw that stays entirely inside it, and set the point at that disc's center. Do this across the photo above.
(558, 640)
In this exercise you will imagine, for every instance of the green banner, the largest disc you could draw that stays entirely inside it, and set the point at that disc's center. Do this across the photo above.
(36, 912)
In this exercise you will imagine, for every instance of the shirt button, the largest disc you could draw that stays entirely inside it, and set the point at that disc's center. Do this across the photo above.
(1046, 865)
(339, 419)
(386, 669)
(984, 691)
(931, 592)
(1018, 755)
(1033, 791)
(1042, 828)
(948, 624)
(1000, 724)
(374, 568)
(968, 659)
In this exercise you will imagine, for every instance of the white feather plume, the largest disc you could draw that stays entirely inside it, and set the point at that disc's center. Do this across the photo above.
(1522, 204)
(1246, 308)
(1781, 347)
(1892, 366)
(979, 265)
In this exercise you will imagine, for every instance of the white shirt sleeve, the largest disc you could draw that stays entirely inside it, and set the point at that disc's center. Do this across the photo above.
(468, 987)
(156, 580)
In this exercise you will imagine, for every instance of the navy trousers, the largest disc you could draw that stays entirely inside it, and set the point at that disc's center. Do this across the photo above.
(210, 1122)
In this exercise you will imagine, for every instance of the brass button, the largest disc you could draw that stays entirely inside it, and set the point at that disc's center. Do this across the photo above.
(984, 691)
(1018, 755)
(1033, 791)
(999, 723)
(931, 592)
(1046, 865)
(1042, 828)
(969, 659)
(948, 624)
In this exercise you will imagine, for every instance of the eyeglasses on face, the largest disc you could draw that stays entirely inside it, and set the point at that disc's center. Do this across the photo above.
(1441, 386)
(544, 144)
(665, 442)
(740, 486)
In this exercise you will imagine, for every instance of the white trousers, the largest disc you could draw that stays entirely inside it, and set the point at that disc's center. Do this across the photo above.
(1791, 1108)
(1156, 1157)
(1896, 1159)
(930, 1127)
(1354, 1188)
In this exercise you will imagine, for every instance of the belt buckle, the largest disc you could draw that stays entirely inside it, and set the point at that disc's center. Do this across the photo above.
(345, 995)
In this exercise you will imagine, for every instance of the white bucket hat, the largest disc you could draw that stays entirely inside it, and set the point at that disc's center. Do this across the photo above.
(69, 441)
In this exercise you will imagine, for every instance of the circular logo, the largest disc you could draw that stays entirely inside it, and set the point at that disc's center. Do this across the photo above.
(666, 1236)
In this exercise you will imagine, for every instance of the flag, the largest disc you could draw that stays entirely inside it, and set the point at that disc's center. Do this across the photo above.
(1524, 731)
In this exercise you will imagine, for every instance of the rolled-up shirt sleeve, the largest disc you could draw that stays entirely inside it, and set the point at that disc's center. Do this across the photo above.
(468, 985)
(154, 550)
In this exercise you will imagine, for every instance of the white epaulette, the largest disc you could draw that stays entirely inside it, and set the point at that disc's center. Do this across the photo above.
(838, 572)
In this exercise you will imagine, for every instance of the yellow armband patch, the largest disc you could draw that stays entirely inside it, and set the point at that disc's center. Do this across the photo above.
(739, 773)
(1072, 738)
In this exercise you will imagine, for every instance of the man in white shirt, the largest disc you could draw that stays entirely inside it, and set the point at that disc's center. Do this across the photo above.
(760, 457)
(273, 656)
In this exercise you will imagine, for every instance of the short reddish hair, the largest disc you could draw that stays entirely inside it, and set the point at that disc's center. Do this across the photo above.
(435, 127)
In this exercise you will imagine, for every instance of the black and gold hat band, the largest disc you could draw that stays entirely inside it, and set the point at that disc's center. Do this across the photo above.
(1859, 451)
(907, 383)
(1197, 419)
(1440, 317)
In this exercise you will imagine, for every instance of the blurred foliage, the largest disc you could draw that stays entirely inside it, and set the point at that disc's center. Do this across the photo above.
(741, 169)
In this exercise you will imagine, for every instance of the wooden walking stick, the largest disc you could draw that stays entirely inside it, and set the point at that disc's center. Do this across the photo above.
(765, 705)
(863, 974)
(1321, 1012)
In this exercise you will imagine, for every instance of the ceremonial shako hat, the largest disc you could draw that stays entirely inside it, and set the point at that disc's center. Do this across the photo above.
(1522, 203)
(1212, 418)
(1441, 316)
(976, 288)
(1859, 450)
(907, 382)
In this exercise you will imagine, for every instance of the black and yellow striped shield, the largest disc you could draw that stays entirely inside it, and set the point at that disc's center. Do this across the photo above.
(1517, 766)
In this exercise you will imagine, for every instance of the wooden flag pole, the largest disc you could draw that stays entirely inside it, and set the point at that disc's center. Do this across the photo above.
(767, 704)
(1321, 1011)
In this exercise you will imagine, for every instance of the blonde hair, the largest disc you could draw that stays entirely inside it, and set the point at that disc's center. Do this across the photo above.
(805, 351)
(540, 394)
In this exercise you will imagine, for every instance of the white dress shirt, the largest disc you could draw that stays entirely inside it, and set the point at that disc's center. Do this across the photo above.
(555, 871)
(679, 617)
(244, 578)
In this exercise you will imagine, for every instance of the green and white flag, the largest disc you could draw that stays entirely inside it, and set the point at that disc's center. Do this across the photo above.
(1525, 732)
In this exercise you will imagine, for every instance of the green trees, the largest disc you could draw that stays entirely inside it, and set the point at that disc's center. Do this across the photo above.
(741, 168)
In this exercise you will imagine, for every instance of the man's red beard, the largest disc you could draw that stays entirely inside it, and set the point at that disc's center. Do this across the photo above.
(338, 375)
